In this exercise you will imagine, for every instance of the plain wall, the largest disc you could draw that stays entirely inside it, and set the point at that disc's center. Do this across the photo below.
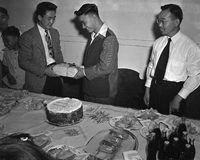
(133, 22)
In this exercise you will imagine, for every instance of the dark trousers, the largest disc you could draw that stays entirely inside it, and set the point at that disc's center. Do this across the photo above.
(162, 93)
(53, 86)
(108, 100)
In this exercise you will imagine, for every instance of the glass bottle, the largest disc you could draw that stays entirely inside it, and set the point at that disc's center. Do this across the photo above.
(166, 151)
(187, 152)
(161, 143)
(183, 141)
(192, 148)
(175, 150)
(151, 148)
(181, 128)
(171, 136)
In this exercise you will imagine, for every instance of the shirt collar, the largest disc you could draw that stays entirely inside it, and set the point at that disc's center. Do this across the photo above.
(41, 30)
(176, 36)
(102, 31)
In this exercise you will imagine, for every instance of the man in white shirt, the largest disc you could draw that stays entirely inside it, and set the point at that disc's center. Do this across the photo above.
(181, 76)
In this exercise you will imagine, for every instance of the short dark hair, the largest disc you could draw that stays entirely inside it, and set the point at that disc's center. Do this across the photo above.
(3, 10)
(11, 31)
(43, 7)
(175, 10)
(87, 8)
(13, 147)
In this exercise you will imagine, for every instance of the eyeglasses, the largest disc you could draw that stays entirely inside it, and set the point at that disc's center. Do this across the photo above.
(162, 21)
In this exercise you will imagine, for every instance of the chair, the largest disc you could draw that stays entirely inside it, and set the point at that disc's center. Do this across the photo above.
(130, 89)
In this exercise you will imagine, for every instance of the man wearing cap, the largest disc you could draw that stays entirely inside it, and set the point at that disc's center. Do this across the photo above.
(100, 61)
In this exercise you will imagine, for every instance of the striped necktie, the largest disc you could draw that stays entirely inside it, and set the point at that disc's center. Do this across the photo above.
(49, 44)
(162, 62)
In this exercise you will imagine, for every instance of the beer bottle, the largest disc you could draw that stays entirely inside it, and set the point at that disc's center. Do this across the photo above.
(166, 151)
(192, 148)
(175, 150)
(183, 141)
(161, 144)
(151, 148)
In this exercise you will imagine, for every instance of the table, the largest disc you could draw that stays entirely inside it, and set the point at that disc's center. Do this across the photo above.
(34, 122)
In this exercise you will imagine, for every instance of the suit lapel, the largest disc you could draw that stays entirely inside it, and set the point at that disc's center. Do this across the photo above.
(38, 40)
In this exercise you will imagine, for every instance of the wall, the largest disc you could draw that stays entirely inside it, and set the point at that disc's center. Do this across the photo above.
(133, 21)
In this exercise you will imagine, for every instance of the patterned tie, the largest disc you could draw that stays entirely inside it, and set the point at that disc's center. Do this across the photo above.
(162, 62)
(49, 44)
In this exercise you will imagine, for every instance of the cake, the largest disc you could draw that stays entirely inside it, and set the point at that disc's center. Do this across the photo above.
(64, 111)
(65, 69)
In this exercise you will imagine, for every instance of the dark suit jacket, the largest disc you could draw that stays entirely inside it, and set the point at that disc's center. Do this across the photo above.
(33, 60)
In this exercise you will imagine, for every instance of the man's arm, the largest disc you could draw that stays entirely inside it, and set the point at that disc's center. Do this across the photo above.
(108, 59)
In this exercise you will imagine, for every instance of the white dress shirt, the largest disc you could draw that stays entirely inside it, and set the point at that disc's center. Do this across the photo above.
(183, 64)
(43, 34)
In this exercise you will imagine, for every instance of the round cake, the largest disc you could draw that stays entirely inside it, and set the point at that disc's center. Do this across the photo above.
(64, 111)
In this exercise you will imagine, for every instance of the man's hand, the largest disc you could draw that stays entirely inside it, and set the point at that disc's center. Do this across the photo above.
(79, 74)
(49, 71)
(146, 96)
(175, 104)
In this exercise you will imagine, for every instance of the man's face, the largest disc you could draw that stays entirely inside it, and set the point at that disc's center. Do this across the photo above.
(167, 23)
(10, 41)
(88, 22)
(47, 20)
(3, 21)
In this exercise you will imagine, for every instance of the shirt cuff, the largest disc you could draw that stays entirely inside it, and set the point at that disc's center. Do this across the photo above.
(184, 93)
(84, 72)
(148, 82)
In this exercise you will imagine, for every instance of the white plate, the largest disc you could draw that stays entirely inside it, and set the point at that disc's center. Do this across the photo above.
(113, 121)
(150, 114)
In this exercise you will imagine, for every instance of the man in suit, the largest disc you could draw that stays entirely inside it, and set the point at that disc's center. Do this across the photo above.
(100, 62)
(39, 51)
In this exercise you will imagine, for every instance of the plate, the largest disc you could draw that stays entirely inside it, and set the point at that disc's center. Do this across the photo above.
(192, 128)
(129, 144)
(150, 114)
(114, 123)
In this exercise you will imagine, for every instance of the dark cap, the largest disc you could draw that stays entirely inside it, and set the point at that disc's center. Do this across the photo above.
(3, 10)
(87, 8)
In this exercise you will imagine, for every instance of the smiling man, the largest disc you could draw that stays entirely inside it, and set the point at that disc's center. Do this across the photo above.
(100, 62)
(167, 86)
(39, 51)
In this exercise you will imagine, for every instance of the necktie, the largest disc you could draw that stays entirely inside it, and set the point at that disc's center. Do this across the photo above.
(162, 62)
(49, 44)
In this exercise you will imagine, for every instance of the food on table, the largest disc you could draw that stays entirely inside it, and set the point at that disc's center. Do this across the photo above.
(5, 107)
(106, 137)
(64, 111)
(35, 104)
(128, 121)
(191, 127)
(147, 114)
(42, 140)
(119, 133)
(19, 94)
(107, 147)
(61, 152)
